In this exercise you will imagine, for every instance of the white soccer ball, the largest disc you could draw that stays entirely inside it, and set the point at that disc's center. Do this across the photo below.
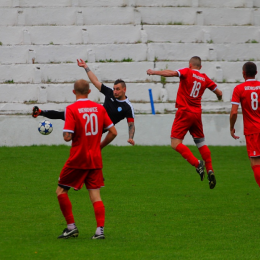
(45, 127)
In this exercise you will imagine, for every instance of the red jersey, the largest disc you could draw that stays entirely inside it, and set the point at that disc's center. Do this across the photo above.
(248, 94)
(86, 120)
(191, 88)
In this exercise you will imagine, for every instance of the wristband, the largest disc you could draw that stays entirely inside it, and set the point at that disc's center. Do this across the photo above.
(87, 69)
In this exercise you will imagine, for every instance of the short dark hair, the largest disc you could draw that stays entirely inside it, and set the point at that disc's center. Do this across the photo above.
(120, 81)
(250, 69)
(195, 61)
(81, 86)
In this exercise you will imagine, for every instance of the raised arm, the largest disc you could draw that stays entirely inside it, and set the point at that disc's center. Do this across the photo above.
(112, 133)
(233, 119)
(92, 77)
(131, 129)
(218, 93)
(165, 73)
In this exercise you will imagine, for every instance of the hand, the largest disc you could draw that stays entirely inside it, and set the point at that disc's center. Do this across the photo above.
(82, 63)
(131, 141)
(149, 72)
(220, 97)
(232, 132)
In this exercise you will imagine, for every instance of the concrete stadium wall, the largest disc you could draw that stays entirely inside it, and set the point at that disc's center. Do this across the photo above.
(150, 130)
(41, 40)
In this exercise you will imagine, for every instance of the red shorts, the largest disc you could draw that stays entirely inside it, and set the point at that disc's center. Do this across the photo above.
(253, 145)
(187, 121)
(76, 178)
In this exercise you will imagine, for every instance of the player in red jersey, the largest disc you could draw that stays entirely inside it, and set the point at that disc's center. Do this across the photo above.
(84, 124)
(248, 94)
(192, 85)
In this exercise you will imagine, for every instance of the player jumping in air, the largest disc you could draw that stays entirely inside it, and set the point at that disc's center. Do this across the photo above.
(248, 94)
(116, 103)
(192, 85)
(84, 124)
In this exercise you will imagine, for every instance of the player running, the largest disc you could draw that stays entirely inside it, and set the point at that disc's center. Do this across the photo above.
(248, 94)
(84, 124)
(192, 85)
(116, 103)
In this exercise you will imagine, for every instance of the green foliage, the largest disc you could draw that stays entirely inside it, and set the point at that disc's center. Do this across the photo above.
(1, 43)
(156, 206)
(127, 60)
(211, 41)
(9, 81)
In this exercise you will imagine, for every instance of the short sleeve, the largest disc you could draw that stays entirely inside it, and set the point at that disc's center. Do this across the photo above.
(69, 125)
(235, 96)
(211, 84)
(183, 72)
(106, 90)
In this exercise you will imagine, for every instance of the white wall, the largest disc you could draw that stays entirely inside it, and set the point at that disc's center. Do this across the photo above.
(150, 130)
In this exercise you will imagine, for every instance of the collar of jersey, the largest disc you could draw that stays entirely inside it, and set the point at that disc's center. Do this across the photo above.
(196, 70)
(82, 99)
(251, 80)
(122, 100)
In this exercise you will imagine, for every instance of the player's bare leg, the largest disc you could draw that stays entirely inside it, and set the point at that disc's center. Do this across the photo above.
(186, 153)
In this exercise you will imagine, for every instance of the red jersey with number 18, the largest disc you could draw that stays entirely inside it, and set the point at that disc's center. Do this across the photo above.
(86, 120)
(248, 94)
(191, 88)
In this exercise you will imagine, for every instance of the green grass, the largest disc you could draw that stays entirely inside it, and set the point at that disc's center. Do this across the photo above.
(156, 206)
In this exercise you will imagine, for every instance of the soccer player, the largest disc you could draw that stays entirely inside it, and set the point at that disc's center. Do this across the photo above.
(116, 103)
(192, 85)
(84, 124)
(248, 94)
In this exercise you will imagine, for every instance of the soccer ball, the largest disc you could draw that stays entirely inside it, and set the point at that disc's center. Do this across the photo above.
(45, 127)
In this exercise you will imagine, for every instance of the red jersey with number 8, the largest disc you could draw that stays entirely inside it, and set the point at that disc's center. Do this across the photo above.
(248, 94)
(86, 120)
(191, 88)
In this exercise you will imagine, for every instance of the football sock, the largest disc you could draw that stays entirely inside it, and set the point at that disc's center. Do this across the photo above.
(187, 154)
(256, 169)
(66, 207)
(99, 210)
(206, 156)
(100, 231)
(71, 226)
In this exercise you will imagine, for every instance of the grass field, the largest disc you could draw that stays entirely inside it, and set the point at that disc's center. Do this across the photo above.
(156, 206)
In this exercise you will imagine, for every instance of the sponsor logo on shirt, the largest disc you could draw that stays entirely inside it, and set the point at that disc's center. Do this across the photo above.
(252, 88)
(119, 109)
(198, 77)
(88, 109)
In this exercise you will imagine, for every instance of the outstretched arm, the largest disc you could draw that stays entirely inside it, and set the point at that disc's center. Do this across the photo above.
(165, 73)
(112, 133)
(233, 119)
(131, 129)
(218, 93)
(92, 77)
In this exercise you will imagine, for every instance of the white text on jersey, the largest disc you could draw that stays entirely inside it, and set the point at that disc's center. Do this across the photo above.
(88, 109)
(198, 77)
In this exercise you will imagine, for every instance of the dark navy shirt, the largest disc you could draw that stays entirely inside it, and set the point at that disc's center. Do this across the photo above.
(116, 109)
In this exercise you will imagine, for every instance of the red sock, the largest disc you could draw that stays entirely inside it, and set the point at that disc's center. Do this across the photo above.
(206, 156)
(256, 169)
(187, 154)
(99, 210)
(66, 208)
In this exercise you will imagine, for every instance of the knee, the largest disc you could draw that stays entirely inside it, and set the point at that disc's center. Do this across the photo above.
(60, 191)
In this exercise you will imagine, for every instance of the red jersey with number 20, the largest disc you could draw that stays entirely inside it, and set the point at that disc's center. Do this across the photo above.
(86, 120)
(191, 88)
(248, 94)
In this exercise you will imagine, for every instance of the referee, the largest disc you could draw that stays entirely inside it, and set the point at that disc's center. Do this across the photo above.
(116, 103)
